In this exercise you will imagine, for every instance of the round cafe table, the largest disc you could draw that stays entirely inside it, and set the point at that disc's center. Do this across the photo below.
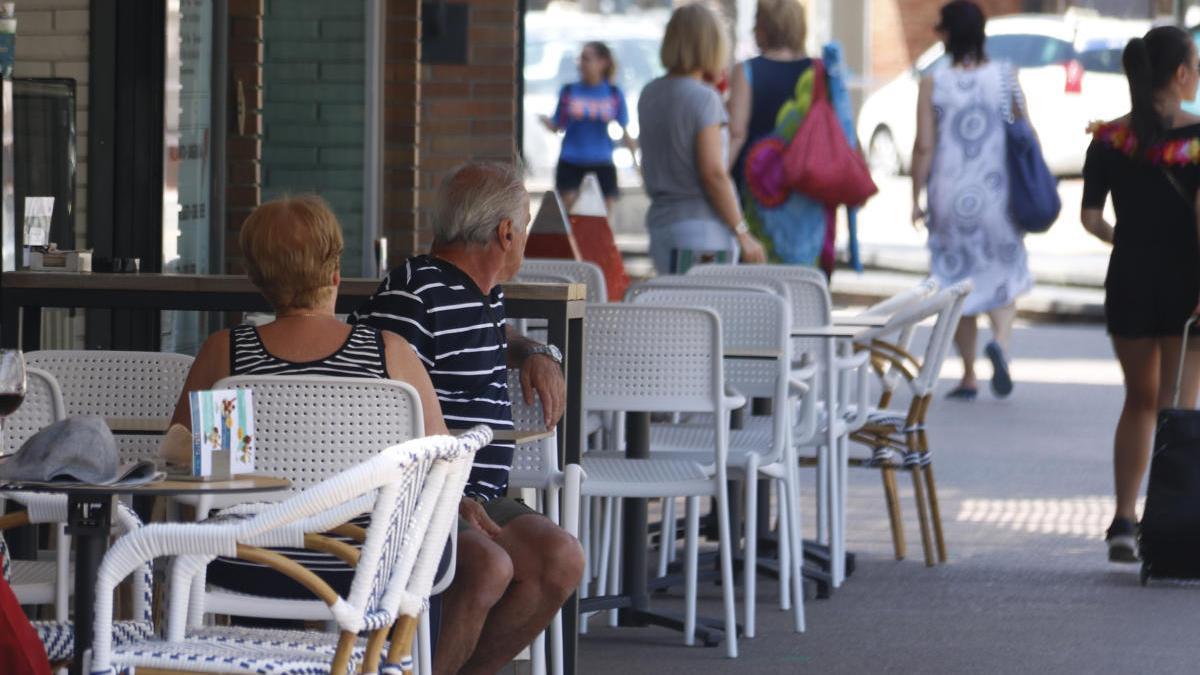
(89, 522)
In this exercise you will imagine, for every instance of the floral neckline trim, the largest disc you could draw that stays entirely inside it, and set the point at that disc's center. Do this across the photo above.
(1177, 152)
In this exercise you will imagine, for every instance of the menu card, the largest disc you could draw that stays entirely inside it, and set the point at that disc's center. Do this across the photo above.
(222, 433)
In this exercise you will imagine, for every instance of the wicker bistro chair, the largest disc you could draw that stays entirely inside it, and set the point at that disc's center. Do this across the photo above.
(411, 491)
(122, 387)
(309, 427)
(664, 359)
(536, 467)
(754, 321)
(903, 299)
(897, 437)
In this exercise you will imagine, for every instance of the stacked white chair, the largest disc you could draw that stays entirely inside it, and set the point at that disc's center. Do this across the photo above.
(754, 321)
(670, 360)
(812, 307)
(412, 493)
(309, 428)
(119, 386)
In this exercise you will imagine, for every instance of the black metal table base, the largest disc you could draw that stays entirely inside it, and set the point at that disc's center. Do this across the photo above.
(708, 631)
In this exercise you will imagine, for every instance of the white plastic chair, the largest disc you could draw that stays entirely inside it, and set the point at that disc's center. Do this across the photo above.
(118, 385)
(44, 582)
(39, 582)
(664, 359)
(411, 491)
(536, 467)
(777, 271)
(578, 271)
(754, 321)
(308, 428)
(808, 290)
(890, 431)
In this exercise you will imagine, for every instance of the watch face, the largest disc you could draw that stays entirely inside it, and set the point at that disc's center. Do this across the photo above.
(555, 352)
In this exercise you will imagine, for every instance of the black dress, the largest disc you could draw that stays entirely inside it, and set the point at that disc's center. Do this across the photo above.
(1153, 281)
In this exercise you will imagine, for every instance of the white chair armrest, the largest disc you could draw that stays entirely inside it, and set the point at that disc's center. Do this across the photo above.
(733, 399)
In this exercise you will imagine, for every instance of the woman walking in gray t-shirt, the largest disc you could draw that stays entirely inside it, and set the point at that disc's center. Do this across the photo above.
(685, 143)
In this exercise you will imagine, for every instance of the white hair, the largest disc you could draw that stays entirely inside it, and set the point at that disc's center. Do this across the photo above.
(472, 201)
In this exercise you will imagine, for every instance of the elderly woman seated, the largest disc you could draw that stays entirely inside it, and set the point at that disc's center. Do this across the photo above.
(292, 247)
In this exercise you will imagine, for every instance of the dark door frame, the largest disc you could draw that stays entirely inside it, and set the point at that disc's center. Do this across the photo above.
(125, 155)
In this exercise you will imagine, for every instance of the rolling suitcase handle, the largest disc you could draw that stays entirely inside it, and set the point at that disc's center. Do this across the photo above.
(1183, 350)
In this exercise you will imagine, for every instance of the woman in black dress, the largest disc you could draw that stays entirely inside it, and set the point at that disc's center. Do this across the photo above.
(1149, 161)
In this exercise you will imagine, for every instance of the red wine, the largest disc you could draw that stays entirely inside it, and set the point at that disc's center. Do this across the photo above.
(9, 403)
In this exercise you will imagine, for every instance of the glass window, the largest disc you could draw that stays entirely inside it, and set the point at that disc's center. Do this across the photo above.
(187, 169)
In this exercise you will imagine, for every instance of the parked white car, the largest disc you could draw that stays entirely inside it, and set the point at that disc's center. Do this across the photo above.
(1070, 71)
(553, 40)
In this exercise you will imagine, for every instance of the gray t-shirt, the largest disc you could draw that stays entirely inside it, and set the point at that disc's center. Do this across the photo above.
(671, 111)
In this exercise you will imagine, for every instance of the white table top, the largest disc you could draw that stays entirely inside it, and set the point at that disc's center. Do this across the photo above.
(846, 319)
(828, 332)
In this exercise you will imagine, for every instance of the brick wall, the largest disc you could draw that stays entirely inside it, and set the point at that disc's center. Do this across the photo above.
(314, 69)
(893, 51)
(401, 133)
(243, 146)
(52, 41)
(469, 111)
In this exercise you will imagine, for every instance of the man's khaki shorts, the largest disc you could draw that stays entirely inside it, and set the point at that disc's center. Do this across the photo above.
(502, 510)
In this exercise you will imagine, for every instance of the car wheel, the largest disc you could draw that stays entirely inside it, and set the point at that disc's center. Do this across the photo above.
(882, 155)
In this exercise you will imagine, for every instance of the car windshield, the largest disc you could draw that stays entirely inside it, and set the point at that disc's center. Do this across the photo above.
(1023, 50)
(1028, 50)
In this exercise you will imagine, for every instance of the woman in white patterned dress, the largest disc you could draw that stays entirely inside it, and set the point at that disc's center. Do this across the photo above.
(960, 152)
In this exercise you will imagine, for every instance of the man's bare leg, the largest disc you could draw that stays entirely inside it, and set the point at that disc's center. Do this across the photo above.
(482, 574)
(547, 566)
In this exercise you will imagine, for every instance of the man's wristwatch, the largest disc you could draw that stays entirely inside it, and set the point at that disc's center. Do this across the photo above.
(742, 228)
(549, 350)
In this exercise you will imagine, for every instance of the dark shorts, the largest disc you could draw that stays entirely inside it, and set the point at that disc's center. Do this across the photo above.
(568, 177)
(502, 511)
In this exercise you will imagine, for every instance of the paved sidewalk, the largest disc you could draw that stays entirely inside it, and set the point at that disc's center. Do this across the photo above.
(1025, 487)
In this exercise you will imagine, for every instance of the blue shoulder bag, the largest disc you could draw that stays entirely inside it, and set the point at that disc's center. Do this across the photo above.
(1033, 199)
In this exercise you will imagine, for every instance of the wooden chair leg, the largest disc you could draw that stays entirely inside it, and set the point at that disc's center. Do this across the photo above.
(892, 496)
(374, 651)
(935, 513)
(341, 658)
(400, 651)
(922, 515)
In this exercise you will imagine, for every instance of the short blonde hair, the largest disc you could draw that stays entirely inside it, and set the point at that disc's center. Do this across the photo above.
(780, 24)
(695, 40)
(293, 247)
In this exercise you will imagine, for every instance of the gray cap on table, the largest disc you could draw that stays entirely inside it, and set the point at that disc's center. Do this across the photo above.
(74, 450)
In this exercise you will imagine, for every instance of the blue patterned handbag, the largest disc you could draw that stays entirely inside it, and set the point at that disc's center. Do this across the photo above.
(1033, 200)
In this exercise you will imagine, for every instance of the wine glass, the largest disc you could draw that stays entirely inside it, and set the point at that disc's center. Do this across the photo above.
(12, 387)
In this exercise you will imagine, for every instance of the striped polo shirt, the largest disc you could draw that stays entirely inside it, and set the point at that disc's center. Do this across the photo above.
(457, 331)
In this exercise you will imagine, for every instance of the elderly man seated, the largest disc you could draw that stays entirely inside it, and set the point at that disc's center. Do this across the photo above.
(515, 567)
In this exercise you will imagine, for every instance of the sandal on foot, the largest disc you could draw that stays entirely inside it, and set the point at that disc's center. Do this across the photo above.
(963, 394)
(1002, 384)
